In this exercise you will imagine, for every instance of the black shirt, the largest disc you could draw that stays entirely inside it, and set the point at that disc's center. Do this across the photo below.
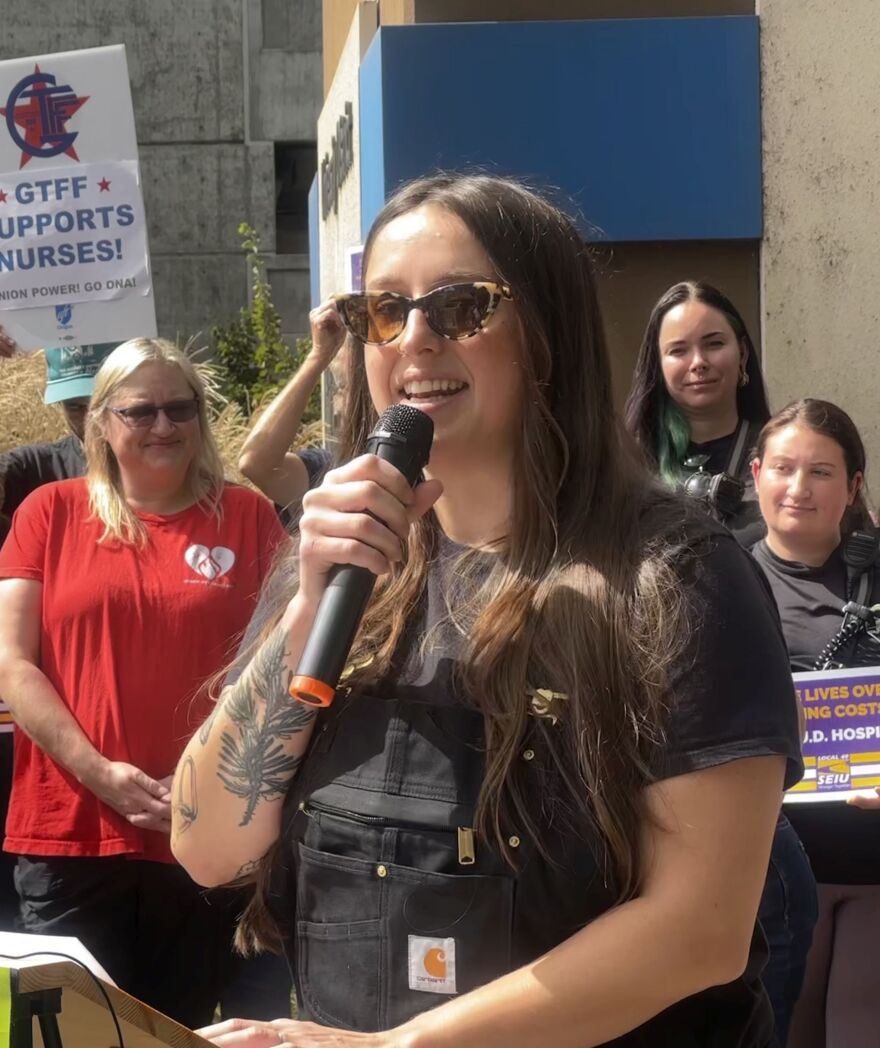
(362, 851)
(718, 451)
(317, 461)
(843, 842)
(27, 468)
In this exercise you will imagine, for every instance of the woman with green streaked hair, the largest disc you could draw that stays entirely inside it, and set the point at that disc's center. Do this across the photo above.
(697, 406)
(698, 402)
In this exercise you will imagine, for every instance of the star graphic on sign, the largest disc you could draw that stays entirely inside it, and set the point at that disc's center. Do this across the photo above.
(104, 185)
(2, 196)
(34, 116)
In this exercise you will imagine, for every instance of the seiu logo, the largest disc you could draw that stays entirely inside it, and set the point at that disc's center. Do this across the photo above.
(832, 779)
(832, 771)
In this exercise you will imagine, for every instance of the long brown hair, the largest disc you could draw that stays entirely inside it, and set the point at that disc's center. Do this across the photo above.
(582, 601)
(830, 421)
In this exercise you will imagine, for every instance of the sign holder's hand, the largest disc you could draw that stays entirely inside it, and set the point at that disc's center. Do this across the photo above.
(866, 801)
(8, 345)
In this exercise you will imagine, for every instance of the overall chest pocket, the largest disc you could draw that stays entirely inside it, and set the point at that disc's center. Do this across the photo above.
(379, 942)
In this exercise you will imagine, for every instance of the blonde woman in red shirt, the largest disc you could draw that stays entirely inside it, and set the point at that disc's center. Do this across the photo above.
(121, 594)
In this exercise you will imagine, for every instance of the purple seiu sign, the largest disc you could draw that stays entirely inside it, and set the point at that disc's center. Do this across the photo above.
(842, 733)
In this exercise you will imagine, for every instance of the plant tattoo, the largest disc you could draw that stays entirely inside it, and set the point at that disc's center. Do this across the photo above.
(254, 765)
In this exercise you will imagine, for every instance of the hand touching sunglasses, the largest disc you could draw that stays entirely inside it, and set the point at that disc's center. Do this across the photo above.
(456, 312)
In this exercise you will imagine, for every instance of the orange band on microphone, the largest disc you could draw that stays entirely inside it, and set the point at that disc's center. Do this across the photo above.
(311, 692)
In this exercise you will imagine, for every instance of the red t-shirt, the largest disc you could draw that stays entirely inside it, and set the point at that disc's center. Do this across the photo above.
(128, 636)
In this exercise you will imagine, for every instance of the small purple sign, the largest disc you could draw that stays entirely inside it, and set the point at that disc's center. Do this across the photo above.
(842, 733)
(355, 269)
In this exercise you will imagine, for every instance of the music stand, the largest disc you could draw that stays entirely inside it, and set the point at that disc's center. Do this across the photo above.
(71, 1012)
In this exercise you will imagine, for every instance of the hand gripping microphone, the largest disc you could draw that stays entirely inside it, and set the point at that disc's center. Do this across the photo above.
(402, 437)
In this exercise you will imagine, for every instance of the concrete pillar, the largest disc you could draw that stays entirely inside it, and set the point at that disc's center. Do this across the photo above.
(820, 257)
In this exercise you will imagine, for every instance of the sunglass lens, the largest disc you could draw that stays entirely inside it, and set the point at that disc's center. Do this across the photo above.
(354, 313)
(140, 417)
(386, 317)
(374, 317)
(457, 312)
(185, 411)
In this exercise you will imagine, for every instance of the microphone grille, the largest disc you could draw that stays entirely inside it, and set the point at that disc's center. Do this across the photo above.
(416, 427)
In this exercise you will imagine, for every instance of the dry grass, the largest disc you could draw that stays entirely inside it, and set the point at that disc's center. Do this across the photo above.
(230, 426)
(25, 419)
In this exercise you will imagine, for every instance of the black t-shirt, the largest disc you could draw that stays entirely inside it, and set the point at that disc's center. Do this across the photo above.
(414, 743)
(317, 461)
(27, 468)
(843, 842)
(718, 451)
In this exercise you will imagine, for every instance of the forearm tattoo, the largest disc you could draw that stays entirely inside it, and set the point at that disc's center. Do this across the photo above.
(207, 724)
(185, 802)
(253, 763)
(249, 867)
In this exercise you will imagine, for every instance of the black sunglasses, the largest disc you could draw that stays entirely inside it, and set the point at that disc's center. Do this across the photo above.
(457, 311)
(143, 416)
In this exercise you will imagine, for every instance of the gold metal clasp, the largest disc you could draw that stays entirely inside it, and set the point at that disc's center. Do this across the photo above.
(466, 854)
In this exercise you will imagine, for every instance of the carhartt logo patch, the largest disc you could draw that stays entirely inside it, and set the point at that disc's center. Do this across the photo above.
(210, 563)
(431, 964)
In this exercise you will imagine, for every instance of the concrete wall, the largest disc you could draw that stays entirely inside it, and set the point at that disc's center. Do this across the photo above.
(336, 16)
(633, 276)
(284, 56)
(283, 41)
(210, 95)
(820, 259)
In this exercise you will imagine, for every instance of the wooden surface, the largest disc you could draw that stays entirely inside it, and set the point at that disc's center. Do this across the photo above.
(85, 1022)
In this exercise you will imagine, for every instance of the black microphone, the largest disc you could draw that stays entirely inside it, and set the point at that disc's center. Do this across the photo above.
(402, 437)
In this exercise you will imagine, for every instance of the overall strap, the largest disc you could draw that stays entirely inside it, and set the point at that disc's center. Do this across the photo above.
(739, 450)
(862, 589)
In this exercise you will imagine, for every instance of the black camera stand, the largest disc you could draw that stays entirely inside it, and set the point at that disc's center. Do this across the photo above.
(46, 1006)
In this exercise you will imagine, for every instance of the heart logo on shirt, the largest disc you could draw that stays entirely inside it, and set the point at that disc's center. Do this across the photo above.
(209, 563)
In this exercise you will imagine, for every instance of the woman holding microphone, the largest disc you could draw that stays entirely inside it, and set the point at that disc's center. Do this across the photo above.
(532, 815)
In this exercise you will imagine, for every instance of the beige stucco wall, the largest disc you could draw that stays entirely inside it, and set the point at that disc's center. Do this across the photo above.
(821, 251)
(341, 229)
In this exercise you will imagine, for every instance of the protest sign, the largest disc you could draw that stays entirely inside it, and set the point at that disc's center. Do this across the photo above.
(74, 262)
(842, 734)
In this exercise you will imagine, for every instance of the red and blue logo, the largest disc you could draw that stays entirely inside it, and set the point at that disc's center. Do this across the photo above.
(37, 112)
